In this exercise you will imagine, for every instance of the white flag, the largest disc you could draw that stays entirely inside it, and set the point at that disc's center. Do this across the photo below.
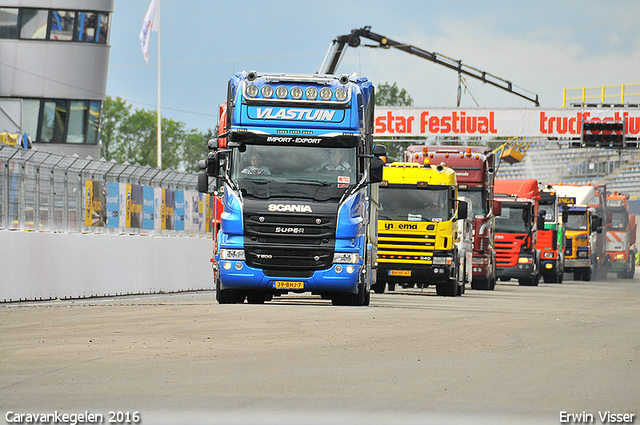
(147, 27)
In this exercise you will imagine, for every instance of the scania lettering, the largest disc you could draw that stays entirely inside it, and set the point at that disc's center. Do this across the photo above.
(474, 167)
(294, 155)
(290, 208)
(417, 229)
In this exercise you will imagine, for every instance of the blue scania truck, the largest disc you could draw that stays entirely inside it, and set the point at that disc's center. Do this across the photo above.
(295, 160)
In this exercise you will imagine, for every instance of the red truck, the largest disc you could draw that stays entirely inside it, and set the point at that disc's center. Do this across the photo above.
(474, 167)
(517, 230)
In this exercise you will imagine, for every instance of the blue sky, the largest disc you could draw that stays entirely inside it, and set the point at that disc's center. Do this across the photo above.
(542, 46)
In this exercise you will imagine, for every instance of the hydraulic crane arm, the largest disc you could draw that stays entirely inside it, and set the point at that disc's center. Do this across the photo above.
(340, 43)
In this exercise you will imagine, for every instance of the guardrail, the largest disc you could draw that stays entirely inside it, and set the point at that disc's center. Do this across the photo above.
(47, 192)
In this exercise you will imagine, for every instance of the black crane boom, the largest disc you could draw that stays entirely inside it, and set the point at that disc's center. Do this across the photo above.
(353, 40)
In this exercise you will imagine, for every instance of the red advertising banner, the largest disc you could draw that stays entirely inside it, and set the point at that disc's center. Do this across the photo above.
(491, 122)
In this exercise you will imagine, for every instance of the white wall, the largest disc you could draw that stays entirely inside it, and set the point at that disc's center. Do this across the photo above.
(40, 266)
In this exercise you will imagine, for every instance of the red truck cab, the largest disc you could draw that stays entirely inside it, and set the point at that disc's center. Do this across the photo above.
(516, 231)
(474, 167)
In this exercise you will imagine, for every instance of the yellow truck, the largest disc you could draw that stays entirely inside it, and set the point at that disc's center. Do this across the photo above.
(418, 241)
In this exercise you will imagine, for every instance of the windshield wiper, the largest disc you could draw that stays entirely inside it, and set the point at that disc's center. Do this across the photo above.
(304, 181)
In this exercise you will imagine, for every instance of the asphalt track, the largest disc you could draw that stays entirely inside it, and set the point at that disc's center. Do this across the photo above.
(516, 355)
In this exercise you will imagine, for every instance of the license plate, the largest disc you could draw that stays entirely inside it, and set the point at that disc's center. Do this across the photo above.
(399, 272)
(281, 284)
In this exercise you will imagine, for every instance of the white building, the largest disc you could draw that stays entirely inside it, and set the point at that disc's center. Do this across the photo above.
(54, 58)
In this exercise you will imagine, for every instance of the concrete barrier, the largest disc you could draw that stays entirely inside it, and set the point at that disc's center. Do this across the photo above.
(43, 266)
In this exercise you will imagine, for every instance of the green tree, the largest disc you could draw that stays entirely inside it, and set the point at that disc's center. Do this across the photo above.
(391, 95)
(132, 136)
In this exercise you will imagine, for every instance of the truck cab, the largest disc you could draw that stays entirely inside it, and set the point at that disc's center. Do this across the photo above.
(582, 227)
(621, 236)
(517, 231)
(417, 229)
(474, 167)
(299, 175)
(551, 240)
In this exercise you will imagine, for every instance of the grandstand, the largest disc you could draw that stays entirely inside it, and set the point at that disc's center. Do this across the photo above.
(554, 162)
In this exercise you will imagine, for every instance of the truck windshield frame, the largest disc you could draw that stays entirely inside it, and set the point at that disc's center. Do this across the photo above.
(319, 173)
(478, 197)
(515, 218)
(619, 218)
(414, 203)
(576, 220)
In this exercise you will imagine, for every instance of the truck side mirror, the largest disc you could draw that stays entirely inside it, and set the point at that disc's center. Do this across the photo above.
(203, 182)
(497, 208)
(213, 144)
(463, 210)
(375, 169)
(379, 150)
(213, 164)
(541, 216)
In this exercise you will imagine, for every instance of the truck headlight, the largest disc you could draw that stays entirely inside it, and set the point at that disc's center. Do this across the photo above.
(443, 260)
(583, 254)
(548, 255)
(525, 260)
(346, 257)
(480, 260)
(232, 254)
(619, 256)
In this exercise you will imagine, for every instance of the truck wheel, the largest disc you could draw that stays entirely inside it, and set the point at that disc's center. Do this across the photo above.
(450, 287)
(378, 287)
(255, 297)
(481, 284)
(586, 275)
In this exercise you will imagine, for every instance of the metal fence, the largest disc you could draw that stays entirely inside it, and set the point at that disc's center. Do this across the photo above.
(47, 192)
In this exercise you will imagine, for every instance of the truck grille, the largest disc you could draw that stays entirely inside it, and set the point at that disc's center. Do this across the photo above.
(289, 242)
(394, 247)
(508, 250)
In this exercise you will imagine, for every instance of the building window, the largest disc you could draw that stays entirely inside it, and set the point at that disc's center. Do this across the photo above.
(62, 121)
(56, 25)
(93, 126)
(8, 22)
(62, 23)
(33, 24)
(30, 112)
(87, 22)
(53, 120)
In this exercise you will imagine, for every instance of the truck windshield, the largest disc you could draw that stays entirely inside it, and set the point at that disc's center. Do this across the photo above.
(576, 220)
(514, 219)
(477, 198)
(549, 211)
(308, 172)
(409, 203)
(618, 219)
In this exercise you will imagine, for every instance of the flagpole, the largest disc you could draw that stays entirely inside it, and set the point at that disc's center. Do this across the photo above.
(159, 136)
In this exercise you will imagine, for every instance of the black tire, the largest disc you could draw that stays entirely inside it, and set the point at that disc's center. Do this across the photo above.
(378, 287)
(255, 297)
(586, 275)
(481, 284)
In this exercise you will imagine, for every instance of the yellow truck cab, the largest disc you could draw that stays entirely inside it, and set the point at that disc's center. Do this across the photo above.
(417, 229)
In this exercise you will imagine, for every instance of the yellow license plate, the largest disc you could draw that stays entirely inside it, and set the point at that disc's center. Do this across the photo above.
(281, 284)
(399, 272)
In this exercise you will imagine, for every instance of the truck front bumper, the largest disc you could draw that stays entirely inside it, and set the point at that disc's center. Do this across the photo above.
(408, 273)
(576, 263)
(519, 271)
(338, 278)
